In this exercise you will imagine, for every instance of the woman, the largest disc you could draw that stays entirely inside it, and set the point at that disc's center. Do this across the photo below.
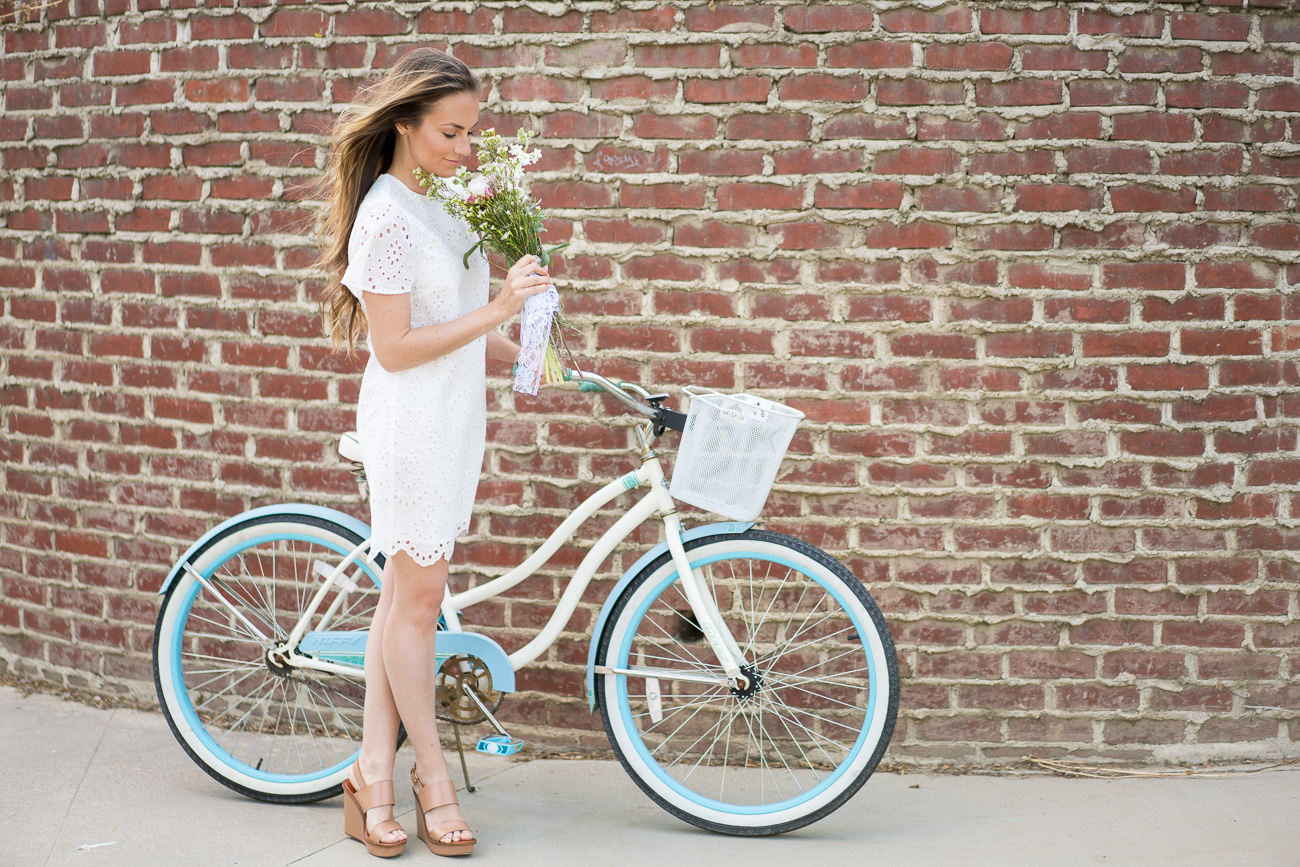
(395, 266)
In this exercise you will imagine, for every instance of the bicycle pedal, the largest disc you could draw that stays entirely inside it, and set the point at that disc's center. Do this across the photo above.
(499, 745)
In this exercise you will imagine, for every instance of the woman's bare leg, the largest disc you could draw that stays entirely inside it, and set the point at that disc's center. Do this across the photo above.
(379, 721)
(408, 648)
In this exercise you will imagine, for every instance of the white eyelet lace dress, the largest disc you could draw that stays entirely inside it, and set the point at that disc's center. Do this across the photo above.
(423, 429)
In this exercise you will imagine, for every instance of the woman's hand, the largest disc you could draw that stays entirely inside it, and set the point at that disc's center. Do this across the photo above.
(526, 277)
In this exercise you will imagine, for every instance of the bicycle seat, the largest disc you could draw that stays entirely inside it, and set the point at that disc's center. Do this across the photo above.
(350, 447)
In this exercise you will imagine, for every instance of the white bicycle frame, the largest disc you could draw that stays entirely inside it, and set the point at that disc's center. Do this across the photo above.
(656, 501)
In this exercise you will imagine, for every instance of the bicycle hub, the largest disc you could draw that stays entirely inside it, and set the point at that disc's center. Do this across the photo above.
(755, 682)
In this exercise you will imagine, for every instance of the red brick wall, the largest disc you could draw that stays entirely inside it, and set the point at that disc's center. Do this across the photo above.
(1031, 272)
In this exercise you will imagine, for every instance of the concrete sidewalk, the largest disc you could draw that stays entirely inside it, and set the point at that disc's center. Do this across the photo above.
(76, 778)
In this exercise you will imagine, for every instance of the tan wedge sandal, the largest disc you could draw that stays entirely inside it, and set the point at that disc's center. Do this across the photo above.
(355, 804)
(431, 797)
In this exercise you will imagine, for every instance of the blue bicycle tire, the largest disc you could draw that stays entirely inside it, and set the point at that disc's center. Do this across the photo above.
(821, 737)
(193, 631)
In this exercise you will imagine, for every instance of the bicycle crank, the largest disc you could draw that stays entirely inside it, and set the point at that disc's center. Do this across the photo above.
(464, 692)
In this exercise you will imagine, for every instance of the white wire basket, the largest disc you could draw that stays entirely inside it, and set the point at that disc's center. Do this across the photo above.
(731, 449)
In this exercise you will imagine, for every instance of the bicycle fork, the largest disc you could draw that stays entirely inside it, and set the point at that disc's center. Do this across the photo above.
(703, 605)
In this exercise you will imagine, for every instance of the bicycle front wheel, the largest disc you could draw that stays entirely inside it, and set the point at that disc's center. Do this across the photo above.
(263, 728)
(813, 723)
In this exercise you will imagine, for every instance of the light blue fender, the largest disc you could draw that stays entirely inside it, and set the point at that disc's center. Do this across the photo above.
(349, 647)
(359, 527)
(721, 528)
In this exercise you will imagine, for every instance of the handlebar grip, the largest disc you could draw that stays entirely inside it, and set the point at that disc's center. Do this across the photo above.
(594, 386)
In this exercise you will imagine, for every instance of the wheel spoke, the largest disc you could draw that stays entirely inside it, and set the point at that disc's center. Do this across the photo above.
(266, 614)
(813, 641)
(827, 661)
(827, 720)
(794, 679)
(237, 724)
(803, 626)
(211, 698)
(666, 634)
(753, 724)
(202, 685)
(689, 662)
(776, 594)
(676, 730)
(235, 663)
(816, 736)
(292, 707)
(678, 707)
(822, 697)
(713, 728)
(297, 696)
(324, 693)
(795, 740)
(267, 607)
(233, 639)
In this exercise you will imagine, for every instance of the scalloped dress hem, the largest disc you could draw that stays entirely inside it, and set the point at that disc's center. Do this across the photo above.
(418, 552)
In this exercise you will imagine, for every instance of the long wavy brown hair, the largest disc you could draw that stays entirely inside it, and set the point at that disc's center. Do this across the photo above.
(361, 150)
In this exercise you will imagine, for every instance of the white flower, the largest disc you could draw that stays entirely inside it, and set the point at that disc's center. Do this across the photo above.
(457, 188)
(479, 186)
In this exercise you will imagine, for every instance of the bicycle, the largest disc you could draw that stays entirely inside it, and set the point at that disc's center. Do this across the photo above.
(747, 680)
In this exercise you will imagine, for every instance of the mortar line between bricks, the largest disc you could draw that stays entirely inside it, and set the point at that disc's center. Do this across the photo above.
(64, 821)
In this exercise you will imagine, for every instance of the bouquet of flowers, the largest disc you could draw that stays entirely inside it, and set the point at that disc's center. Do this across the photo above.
(508, 220)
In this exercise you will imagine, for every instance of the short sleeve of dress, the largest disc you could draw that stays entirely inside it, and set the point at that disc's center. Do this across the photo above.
(381, 257)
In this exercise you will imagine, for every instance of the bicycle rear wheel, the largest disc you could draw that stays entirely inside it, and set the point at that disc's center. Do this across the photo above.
(269, 731)
(812, 726)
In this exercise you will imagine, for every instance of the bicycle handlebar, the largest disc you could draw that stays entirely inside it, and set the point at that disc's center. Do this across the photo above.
(614, 388)
(661, 416)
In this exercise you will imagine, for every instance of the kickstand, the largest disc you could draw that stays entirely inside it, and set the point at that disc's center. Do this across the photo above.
(464, 769)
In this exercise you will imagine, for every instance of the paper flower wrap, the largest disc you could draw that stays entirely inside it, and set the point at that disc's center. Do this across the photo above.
(534, 331)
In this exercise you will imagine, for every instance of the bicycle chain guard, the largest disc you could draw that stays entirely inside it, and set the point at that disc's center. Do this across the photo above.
(455, 677)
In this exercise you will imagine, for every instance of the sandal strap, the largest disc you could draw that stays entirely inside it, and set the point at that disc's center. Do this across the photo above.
(439, 793)
(381, 828)
(377, 794)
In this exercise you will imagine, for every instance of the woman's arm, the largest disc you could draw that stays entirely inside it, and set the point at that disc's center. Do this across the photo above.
(398, 346)
(502, 348)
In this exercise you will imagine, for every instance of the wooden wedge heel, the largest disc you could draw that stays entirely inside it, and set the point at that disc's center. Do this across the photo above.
(357, 799)
(431, 797)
